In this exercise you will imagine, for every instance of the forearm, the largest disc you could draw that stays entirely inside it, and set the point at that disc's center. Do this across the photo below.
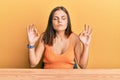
(84, 57)
(32, 57)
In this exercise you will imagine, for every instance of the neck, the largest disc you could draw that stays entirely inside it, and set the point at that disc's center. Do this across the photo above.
(60, 35)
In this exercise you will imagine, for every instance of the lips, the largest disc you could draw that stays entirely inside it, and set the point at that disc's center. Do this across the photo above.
(60, 25)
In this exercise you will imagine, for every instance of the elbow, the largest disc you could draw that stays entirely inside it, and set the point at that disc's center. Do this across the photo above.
(83, 66)
(32, 65)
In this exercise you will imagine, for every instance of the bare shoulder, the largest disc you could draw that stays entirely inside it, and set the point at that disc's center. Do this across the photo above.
(75, 38)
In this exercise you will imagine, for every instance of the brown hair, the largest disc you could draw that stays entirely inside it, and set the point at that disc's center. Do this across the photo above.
(50, 33)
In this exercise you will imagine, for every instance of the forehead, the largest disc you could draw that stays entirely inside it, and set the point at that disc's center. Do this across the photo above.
(60, 13)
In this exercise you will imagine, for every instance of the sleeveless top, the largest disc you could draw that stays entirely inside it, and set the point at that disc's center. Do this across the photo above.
(59, 61)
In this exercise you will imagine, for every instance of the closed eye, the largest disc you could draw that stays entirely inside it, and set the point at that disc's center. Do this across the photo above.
(63, 17)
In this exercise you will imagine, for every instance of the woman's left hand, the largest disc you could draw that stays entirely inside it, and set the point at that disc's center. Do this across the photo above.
(85, 36)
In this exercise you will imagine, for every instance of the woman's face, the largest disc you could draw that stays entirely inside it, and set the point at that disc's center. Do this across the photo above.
(60, 20)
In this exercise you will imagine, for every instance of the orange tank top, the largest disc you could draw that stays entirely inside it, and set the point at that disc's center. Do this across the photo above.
(55, 61)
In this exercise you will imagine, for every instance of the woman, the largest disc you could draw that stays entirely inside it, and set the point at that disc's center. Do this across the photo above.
(58, 45)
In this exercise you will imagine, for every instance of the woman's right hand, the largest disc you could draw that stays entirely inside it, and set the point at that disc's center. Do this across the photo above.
(33, 34)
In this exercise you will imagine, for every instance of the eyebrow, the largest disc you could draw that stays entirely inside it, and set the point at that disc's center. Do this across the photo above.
(62, 16)
(58, 17)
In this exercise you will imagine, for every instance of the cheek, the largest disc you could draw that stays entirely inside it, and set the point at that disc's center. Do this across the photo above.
(65, 23)
(54, 24)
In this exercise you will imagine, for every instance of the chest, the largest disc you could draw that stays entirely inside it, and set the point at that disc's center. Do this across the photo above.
(61, 46)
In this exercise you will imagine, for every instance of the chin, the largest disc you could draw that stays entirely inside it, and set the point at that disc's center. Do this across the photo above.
(61, 29)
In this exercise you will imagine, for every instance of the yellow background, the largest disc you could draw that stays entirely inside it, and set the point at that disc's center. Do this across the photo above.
(102, 15)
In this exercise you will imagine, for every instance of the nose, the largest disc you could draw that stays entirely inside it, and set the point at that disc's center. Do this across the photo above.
(59, 20)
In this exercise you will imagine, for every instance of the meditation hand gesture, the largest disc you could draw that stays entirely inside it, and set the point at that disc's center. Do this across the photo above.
(85, 36)
(33, 34)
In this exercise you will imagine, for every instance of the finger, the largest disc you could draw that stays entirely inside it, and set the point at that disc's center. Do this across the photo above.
(32, 27)
(85, 27)
(27, 29)
(88, 30)
(35, 31)
(82, 33)
(91, 31)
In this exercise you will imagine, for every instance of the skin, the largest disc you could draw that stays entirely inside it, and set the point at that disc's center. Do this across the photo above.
(61, 42)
